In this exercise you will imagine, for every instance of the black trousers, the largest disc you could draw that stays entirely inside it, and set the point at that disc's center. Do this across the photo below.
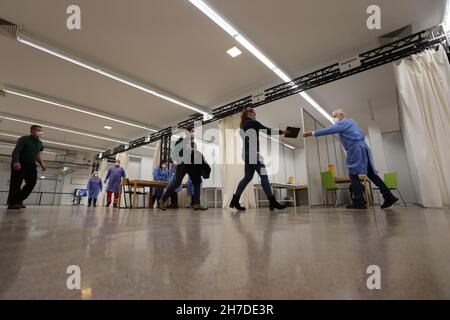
(17, 194)
(194, 171)
(357, 186)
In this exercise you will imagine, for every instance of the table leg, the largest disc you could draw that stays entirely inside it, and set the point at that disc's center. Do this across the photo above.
(134, 196)
(295, 197)
(150, 198)
(215, 198)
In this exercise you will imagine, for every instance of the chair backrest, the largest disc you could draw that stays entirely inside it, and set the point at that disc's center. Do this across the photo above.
(328, 182)
(390, 179)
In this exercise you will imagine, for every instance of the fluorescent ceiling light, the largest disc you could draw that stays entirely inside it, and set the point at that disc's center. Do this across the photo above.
(232, 31)
(42, 177)
(70, 106)
(25, 39)
(234, 52)
(447, 16)
(12, 146)
(62, 144)
(44, 125)
(107, 127)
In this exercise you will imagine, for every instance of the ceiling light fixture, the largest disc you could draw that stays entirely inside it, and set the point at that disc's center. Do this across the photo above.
(32, 42)
(234, 52)
(107, 127)
(232, 31)
(447, 16)
(62, 144)
(49, 126)
(70, 106)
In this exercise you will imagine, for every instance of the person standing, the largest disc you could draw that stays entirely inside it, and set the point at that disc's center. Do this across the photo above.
(23, 167)
(160, 173)
(94, 187)
(250, 129)
(114, 175)
(359, 158)
(188, 161)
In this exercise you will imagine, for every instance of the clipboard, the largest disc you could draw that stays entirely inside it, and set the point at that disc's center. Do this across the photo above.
(293, 132)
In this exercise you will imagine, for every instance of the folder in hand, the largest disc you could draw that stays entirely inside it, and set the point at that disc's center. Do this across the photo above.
(292, 132)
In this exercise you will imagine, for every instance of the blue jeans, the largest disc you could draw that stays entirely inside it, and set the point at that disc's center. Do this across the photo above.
(249, 173)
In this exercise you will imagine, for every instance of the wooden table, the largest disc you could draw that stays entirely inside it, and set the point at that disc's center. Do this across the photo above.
(140, 184)
(365, 181)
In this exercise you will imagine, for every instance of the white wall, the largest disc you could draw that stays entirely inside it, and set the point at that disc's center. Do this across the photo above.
(301, 171)
(396, 161)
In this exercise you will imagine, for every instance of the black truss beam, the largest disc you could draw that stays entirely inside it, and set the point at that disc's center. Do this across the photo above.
(402, 48)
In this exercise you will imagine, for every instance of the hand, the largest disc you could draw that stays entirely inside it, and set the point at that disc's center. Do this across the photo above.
(43, 167)
(308, 134)
(16, 166)
(285, 132)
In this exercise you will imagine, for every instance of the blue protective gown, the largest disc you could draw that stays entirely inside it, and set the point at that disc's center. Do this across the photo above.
(160, 174)
(114, 176)
(190, 187)
(94, 187)
(352, 138)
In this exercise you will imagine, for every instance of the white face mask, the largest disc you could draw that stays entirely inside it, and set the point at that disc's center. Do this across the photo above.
(39, 134)
(95, 175)
(336, 120)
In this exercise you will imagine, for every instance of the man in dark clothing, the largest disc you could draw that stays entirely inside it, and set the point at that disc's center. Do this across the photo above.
(189, 161)
(23, 167)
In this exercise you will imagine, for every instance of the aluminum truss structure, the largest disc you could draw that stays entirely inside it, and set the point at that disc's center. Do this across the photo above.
(418, 42)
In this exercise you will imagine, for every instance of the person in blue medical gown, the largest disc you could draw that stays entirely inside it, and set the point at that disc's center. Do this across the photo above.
(359, 158)
(160, 173)
(94, 187)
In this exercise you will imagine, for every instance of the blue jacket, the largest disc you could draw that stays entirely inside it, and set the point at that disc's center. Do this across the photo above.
(160, 174)
(114, 175)
(352, 138)
(94, 187)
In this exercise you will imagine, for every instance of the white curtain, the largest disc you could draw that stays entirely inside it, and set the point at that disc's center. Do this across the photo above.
(103, 169)
(423, 83)
(232, 163)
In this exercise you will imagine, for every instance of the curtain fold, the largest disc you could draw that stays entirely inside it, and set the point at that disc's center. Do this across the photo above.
(103, 169)
(232, 163)
(423, 84)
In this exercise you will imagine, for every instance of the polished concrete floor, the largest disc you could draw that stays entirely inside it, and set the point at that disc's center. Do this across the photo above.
(217, 254)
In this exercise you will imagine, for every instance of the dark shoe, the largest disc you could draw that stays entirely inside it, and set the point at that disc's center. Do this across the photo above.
(162, 205)
(14, 206)
(22, 205)
(234, 204)
(191, 206)
(115, 205)
(356, 206)
(198, 207)
(274, 204)
(389, 201)
(108, 204)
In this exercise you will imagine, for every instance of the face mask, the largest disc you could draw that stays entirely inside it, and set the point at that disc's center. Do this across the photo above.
(117, 164)
(163, 166)
(254, 117)
(336, 120)
(39, 134)
(95, 175)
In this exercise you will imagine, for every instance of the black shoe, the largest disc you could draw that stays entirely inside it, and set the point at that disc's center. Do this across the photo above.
(389, 202)
(22, 205)
(115, 205)
(191, 206)
(274, 204)
(356, 206)
(198, 207)
(234, 204)
(162, 205)
(14, 206)
(108, 204)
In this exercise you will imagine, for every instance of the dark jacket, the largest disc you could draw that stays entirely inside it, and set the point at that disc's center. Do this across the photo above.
(250, 135)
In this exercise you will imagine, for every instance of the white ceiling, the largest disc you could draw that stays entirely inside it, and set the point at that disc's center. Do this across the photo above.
(173, 46)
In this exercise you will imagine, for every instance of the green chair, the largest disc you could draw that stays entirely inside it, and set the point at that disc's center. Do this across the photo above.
(390, 179)
(328, 184)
